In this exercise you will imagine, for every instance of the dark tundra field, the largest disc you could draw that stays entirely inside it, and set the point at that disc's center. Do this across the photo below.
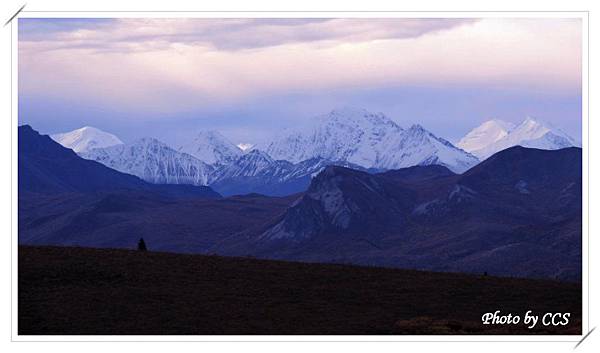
(71, 291)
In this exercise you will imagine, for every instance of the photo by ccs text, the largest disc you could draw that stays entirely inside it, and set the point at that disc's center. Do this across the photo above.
(530, 319)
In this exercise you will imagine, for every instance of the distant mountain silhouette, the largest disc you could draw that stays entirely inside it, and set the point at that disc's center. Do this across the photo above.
(47, 167)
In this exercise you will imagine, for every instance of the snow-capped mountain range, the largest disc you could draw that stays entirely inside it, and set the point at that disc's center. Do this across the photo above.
(257, 172)
(496, 135)
(369, 140)
(153, 161)
(85, 139)
(349, 137)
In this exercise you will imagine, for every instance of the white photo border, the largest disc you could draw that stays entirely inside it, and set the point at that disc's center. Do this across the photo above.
(583, 15)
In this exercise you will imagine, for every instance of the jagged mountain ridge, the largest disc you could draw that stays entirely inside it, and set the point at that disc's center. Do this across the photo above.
(347, 136)
(496, 135)
(257, 172)
(252, 172)
(153, 161)
(369, 140)
(356, 138)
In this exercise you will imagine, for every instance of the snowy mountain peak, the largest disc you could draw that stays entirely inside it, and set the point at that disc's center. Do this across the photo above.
(535, 133)
(418, 146)
(211, 147)
(153, 161)
(85, 139)
(495, 135)
(353, 117)
(497, 125)
(344, 134)
(486, 133)
(368, 140)
(532, 128)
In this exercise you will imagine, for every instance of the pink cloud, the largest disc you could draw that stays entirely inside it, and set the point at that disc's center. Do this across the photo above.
(178, 64)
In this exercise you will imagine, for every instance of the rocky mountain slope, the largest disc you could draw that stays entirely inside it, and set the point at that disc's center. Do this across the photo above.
(517, 213)
(153, 161)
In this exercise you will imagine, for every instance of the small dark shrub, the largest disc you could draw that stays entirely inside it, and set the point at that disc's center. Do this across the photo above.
(142, 245)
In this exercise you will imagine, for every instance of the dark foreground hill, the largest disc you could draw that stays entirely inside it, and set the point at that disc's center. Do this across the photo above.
(103, 291)
(119, 219)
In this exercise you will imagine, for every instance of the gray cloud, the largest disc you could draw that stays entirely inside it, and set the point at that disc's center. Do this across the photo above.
(220, 34)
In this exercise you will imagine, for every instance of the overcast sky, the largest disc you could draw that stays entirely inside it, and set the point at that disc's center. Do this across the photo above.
(248, 78)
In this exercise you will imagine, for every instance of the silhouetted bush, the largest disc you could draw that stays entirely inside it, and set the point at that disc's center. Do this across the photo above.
(142, 245)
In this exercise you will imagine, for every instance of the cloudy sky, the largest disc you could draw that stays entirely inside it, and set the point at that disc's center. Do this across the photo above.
(249, 78)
